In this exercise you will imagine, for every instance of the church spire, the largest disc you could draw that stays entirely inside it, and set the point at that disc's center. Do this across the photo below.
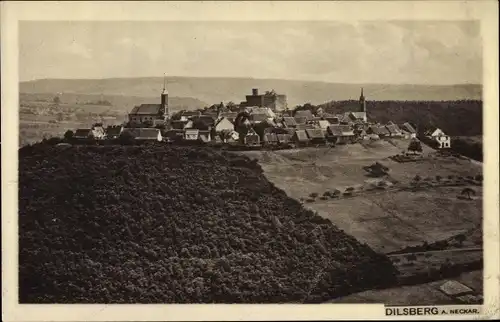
(164, 84)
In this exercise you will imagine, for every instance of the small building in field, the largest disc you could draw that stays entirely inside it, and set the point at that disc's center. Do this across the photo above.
(191, 134)
(440, 139)
(341, 134)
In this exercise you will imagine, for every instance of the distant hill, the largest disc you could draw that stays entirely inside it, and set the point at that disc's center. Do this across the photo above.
(214, 90)
(119, 103)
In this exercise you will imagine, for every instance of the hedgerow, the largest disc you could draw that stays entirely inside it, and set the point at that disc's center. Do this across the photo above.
(158, 224)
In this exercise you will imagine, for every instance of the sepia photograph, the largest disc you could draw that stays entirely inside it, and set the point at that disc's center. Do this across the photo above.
(251, 161)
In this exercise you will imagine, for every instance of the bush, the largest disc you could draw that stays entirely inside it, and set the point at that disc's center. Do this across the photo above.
(313, 195)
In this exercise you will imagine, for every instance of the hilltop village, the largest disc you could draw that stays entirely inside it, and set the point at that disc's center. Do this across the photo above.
(262, 120)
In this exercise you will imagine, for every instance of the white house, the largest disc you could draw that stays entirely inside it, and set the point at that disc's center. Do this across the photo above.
(443, 141)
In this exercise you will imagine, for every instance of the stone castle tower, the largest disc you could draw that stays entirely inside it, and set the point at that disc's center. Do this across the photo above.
(164, 101)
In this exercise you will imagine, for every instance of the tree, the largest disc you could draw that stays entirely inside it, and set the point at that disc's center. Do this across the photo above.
(468, 192)
(126, 138)
(415, 146)
(460, 238)
(56, 100)
(68, 135)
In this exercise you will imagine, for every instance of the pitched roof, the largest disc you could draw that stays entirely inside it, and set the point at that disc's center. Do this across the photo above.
(408, 128)
(376, 129)
(204, 136)
(190, 113)
(304, 113)
(393, 129)
(289, 121)
(340, 130)
(359, 115)
(283, 138)
(300, 119)
(113, 130)
(82, 133)
(270, 137)
(332, 119)
(301, 135)
(315, 133)
(323, 124)
(221, 119)
(146, 109)
(258, 117)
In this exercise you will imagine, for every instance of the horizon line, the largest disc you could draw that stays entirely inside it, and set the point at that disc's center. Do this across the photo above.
(253, 78)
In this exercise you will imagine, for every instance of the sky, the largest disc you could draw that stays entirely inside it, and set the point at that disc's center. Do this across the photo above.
(389, 52)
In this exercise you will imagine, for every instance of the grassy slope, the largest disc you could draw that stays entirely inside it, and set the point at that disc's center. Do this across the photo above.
(387, 221)
(214, 90)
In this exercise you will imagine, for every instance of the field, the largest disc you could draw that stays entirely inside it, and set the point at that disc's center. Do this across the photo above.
(386, 220)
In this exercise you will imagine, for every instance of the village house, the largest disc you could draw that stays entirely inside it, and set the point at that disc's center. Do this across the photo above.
(289, 122)
(251, 138)
(394, 130)
(340, 134)
(379, 130)
(283, 138)
(113, 132)
(316, 135)
(223, 124)
(411, 132)
(204, 136)
(83, 134)
(300, 137)
(144, 134)
(307, 114)
(441, 140)
(191, 134)
(270, 139)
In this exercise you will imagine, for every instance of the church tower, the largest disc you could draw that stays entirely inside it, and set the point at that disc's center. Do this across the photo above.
(362, 102)
(164, 101)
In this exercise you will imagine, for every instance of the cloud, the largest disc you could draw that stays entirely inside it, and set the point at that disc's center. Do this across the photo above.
(368, 51)
(77, 49)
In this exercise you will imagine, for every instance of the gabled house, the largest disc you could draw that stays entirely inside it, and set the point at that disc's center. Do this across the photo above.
(380, 131)
(333, 120)
(394, 130)
(411, 132)
(270, 138)
(283, 138)
(304, 113)
(223, 124)
(300, 119)
(252, 138)
(144, 134)
(180, 124)
(355, 116)
(340, 134)
(204, 136)
(289, 122)
(300, 137)
(442, 141)
(316, 135)
(323, 124)
(83, 134)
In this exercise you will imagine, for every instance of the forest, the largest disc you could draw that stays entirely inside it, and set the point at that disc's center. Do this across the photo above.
(166, 224)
